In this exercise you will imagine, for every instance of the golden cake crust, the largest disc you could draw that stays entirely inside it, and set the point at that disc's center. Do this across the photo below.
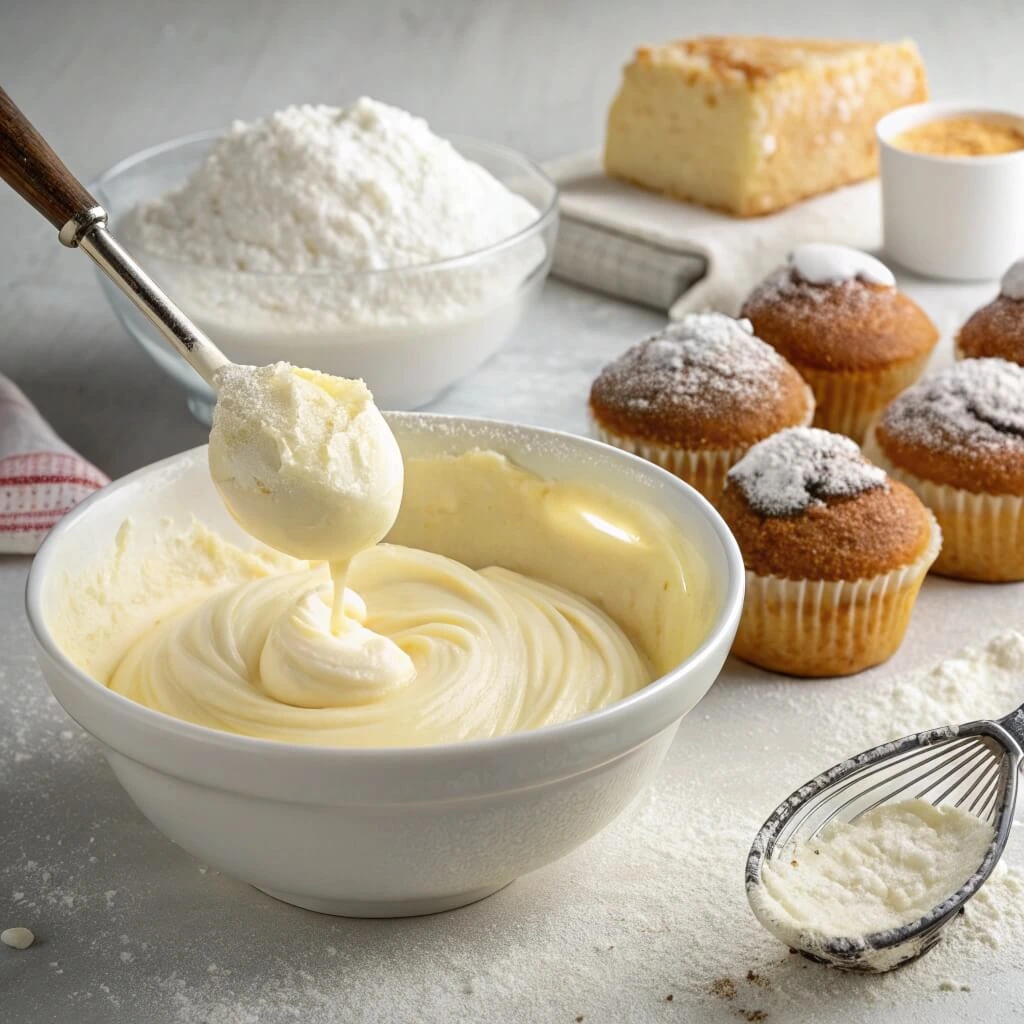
(995, 331)
(717, 391)
(841, 539)
(847, 326)
(751, 59)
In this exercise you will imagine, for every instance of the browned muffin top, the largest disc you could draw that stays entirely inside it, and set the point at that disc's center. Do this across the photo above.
(703, 382)
(846, 325)
(805, 504)
(995, 331)
(962, 426)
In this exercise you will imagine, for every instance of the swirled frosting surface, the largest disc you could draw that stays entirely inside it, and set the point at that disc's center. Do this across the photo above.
(432, 652)
(500, 602)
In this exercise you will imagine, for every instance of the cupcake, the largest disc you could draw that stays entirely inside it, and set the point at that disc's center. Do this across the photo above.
(997, 330)
(696, 395)
(957, 438)
(835, 554)
(837, 316)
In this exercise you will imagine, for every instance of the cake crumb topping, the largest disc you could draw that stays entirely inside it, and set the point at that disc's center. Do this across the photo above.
(803, 467)
(976, 403)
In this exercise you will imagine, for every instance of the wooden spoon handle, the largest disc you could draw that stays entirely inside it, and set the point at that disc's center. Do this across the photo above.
(38, 175)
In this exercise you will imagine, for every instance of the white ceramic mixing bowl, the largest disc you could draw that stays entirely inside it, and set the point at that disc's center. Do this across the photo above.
(386, 832)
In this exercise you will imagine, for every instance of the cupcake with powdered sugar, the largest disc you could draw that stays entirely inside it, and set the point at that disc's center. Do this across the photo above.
(835, 553)
(836, 314)
(957, 439)
(996, 331)
(696, 395)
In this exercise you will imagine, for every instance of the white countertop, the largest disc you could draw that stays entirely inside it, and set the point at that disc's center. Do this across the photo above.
(132, 929)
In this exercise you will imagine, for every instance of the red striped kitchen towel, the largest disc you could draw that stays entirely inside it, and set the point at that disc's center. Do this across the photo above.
(41, 477)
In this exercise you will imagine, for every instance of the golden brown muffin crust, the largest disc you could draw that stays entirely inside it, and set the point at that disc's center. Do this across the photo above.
(839, 539)
(962, 427)
(702, 383)
(995, 331)
(852, 325)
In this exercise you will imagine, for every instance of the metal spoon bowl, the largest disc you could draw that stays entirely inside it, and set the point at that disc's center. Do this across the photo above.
(973, 767)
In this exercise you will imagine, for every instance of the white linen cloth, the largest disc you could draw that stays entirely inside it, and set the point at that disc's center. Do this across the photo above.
(646, 248)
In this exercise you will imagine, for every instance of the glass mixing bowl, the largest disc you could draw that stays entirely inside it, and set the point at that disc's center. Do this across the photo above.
(409, 332)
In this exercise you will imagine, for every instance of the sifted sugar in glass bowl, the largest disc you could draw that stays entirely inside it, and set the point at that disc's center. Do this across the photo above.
(353, 240)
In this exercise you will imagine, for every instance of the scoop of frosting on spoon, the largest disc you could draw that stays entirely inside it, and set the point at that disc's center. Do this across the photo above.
(306, 463)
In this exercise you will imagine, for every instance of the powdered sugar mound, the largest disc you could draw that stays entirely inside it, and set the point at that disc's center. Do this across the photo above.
(277, 242)
(316, 188)
(801, 467)
(704, 360)
(1012, 285)
(976, 403)
(821, 263)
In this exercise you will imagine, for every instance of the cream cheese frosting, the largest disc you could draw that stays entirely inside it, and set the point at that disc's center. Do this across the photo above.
(449, 654)
(306, 463)
(595, 596)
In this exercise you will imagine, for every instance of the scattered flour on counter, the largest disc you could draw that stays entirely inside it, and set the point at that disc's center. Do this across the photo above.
(983, 681)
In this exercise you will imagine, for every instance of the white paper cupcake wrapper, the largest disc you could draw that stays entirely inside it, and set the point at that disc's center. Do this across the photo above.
(702, 468)
(849, 401)
(830, 627)
(983, 534)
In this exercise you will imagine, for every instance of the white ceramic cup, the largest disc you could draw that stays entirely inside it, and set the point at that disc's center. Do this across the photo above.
(958, 217)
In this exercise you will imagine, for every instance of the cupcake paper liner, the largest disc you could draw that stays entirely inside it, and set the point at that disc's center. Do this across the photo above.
(983, 534)
(702, 468)
(829, 627)
(848, 400)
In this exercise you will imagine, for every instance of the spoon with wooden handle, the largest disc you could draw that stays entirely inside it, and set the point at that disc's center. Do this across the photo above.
(342, 515)
(37, 174)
